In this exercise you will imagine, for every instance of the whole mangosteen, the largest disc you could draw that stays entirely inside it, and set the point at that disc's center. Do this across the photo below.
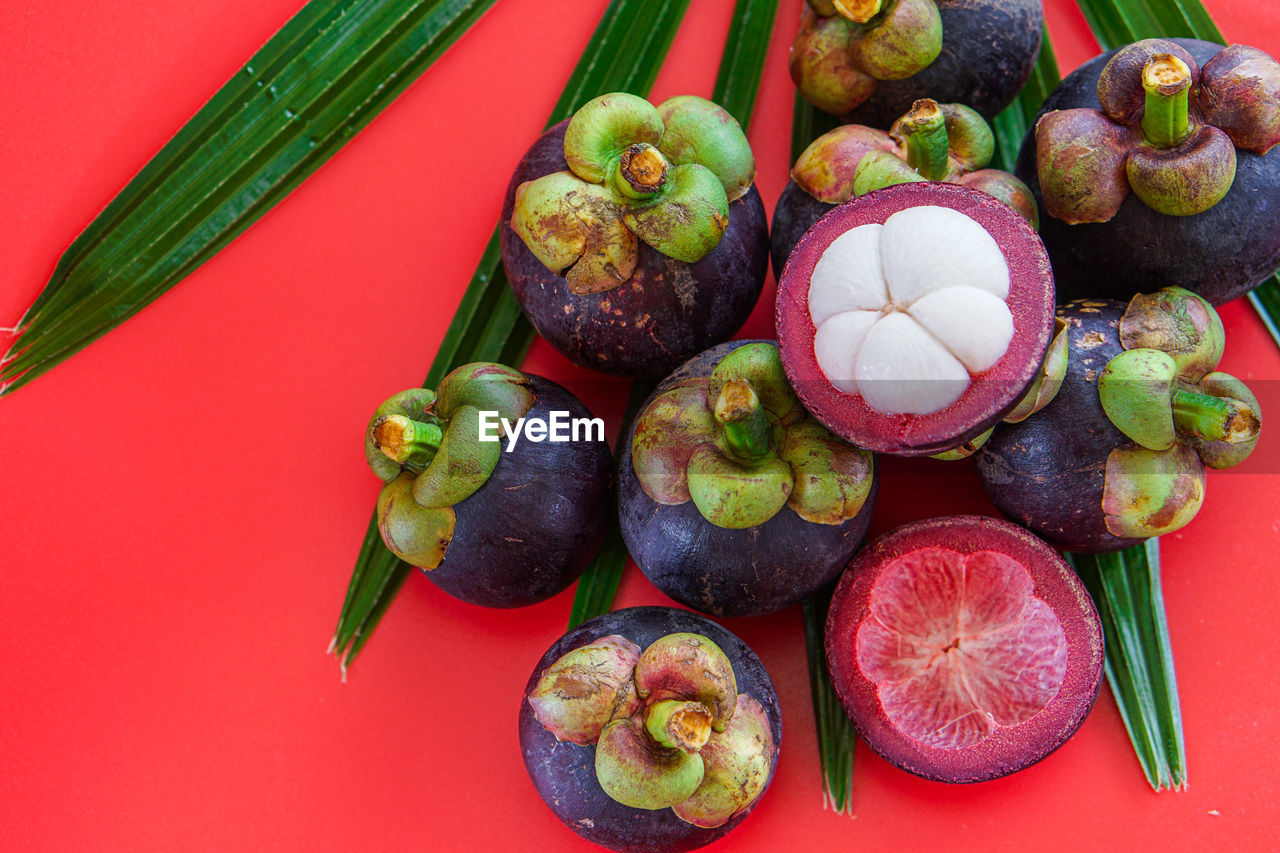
(963, 648)
(633, 235)
(932, 142)
(914, 318)
(868, 60)
(1155, 165)
(650, 729)
(732, 499)
(1119, 455)
(491, 518)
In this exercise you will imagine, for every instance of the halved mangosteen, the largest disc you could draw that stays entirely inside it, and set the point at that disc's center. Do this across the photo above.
(963, 648)
(633, 235)
(732, 499)
(1120, 453)
(650, 729)
(913, 319)
(867, 60)
(488, 526)
(1157, 165)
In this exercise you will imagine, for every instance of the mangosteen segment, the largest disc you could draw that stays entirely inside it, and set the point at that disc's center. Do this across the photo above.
(736, 767)
(910, 326)
(586, 688)
(630, 176)
(959, 645)
(963, 648)
(1150, 492)
(1177, 163)
(737, 442)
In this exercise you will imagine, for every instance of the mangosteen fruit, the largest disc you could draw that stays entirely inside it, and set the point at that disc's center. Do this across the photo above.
(1156, 165)
(732, 499)
(932, 142)
(1119, 455)
(496, 511)
(867, 60)
(633, 235)
(650, 729)
(912, 319)
(963, 648)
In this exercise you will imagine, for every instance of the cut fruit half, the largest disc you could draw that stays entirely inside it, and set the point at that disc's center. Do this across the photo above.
(963, 648)
(912, 319)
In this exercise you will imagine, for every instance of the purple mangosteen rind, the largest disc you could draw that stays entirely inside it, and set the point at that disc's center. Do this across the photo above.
(530, 528)
(665, 310)
(1008, 749)
(987, 51)
(1220, 253)
(564, 773)
(992, 395)
(722, 571)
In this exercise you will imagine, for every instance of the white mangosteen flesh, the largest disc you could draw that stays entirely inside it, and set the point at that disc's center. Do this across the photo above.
(908, 312)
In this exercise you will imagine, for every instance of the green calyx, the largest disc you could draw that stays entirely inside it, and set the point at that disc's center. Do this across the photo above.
(664, 175)
(669, 727)
(925, 131)
(740, 446)
(1167, 132)
(431, 448)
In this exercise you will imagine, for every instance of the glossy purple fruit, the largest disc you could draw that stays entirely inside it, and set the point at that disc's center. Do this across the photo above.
(963, 648)
(605, 685)
(723, 528)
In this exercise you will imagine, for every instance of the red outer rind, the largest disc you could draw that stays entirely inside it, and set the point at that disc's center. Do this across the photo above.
(1008, 749)
(992, 394)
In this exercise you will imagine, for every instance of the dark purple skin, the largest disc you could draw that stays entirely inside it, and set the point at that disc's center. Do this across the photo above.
(1047, 472)
(666, 312)
(564, 773)
(1220, 254)
(794, 214)
(730, 572)
(988, 50)
(531, 529)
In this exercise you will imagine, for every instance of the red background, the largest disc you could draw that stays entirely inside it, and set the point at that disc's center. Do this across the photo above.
(183, 501)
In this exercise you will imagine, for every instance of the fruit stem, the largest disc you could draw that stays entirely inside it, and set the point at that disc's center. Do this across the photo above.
(679, 724)
(858, 11)
(747, 428)
(1167, 81)
(406, 441)
(641, 172)
(1214, 418)
(925, 128)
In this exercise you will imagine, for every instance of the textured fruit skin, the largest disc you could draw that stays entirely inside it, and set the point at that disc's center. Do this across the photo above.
(1048, 471)
(730, 572)
(666, 312)
(1007, 750)
(988, 50)
(992, 394)
(530, 531)
(564, 772)
(1220, 254)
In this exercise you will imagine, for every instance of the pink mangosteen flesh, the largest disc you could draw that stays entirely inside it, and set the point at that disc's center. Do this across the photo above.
(991, 388)
(963, 648)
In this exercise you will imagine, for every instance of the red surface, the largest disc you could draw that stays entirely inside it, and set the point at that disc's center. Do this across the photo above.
(183, 500)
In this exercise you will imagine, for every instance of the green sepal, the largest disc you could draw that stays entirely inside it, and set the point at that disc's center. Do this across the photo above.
(603, 127)
(487, 386)
(736, 765)
(416, 534)
(667, 433)
(904, 40)
(462, 464)
(1178, 322)
(688, 220)
(1187, 179)
(689, 667)
(759, 365)
(700, 131)
(1135, 390)
(413, 404)
(1151, 492)
(880, 169)
(640, 774)
(832, 478)
(964, 451)
(969, 137)
(735, 496)
(585, 688)
(1048, 381)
